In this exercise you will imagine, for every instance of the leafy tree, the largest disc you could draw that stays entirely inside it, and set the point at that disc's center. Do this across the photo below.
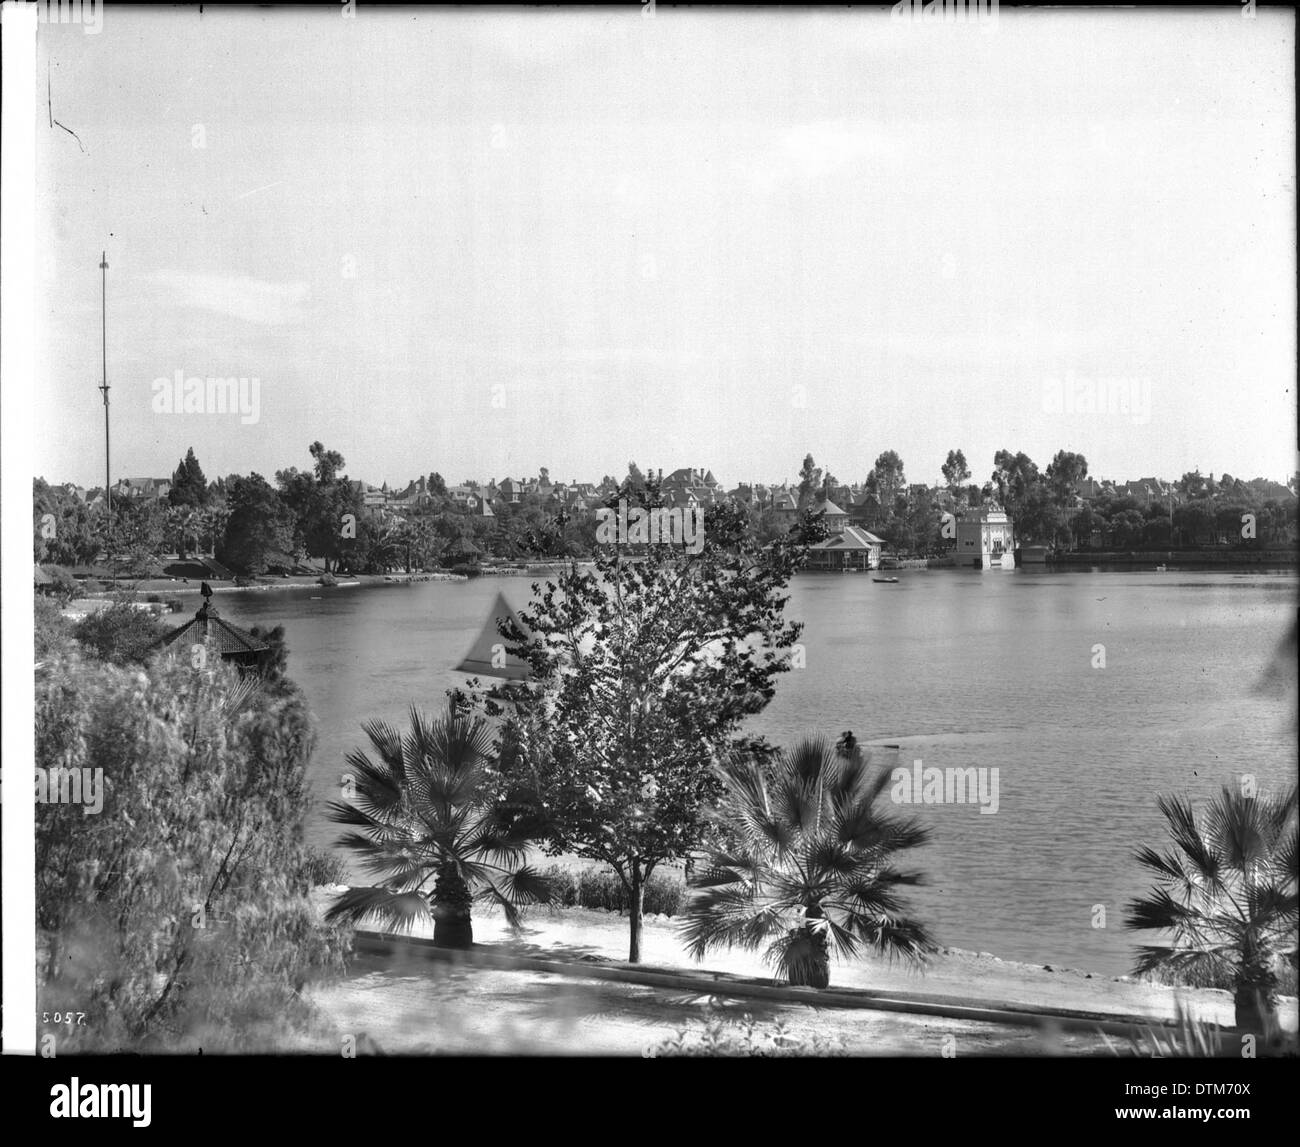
(810, 476)
(890, 479)
(319, 502)
(1225, 896)
(641, 673)
(436, 485)
(1194, 521)
(177, 917)
(327, 463)
(1064, 472)
(273, 662)
(426, 815)
(1039, 518)
(1013, 477)
(955, 471)
(809, 869)
(189, 486)
(258, 523)
(140, 524)
(1193, 485)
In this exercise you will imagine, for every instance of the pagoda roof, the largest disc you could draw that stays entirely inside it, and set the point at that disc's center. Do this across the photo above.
(209, 627)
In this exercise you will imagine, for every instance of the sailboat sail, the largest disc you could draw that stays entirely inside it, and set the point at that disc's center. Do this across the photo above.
(487, 656)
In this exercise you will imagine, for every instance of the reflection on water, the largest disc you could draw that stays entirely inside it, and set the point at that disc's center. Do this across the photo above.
(958, 669)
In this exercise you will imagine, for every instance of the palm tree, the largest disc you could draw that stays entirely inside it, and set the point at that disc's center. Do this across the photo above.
(809, 869)
(1226, 895)
(427, 814)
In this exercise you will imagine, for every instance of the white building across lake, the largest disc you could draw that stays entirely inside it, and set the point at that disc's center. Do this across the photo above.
(985, 540)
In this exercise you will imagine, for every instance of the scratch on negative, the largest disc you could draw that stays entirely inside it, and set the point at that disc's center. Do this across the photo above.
(49, 102)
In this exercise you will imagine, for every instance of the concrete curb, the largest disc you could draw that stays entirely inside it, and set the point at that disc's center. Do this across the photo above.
(726, 984)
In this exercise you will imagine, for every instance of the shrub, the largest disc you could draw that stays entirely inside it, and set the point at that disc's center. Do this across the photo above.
(327, 579)
(177, 918)
(324, 866)
(51, 629)
(65, 585)
(118, 633)
(722, 1033)
(601, 888)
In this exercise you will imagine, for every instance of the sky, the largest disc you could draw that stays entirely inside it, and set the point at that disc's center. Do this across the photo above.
(486, 243)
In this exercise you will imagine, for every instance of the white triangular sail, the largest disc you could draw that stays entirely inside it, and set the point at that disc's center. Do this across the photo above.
(487, 656)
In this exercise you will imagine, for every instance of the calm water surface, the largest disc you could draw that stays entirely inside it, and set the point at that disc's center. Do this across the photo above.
(957, 669)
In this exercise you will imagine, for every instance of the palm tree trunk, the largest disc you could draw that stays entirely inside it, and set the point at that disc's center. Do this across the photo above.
(813, 967)
(1254, 999)
(450, 905)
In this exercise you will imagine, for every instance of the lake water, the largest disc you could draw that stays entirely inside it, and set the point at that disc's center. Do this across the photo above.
(959, 669)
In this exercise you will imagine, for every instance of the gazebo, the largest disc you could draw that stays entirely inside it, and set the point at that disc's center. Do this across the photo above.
(461, 552)
(209, 629)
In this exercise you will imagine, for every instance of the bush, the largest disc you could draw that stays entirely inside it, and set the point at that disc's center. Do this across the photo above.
(51, 629)
(177, 918)
(327, 579)
(324, 866)
(65, 585)
(601, 888)
(721, 1032)
(118, 633)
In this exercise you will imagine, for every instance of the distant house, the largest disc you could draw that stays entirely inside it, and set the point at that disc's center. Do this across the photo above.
(836, 519)
(864, 511)
(848, 548)
(153, 488)
(509, 492)
(415, 494)
(985, 539)
(785, 507)
(373, 498)
(1269, 490)
(1144, 491)
(701, 484)
(480, 507)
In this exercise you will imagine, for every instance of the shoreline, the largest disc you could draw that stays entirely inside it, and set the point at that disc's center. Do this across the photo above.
(594, 935)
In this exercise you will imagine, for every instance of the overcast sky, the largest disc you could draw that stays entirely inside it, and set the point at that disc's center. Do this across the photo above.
(484, 243)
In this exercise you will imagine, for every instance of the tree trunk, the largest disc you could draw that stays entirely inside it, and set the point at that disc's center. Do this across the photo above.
(450, 905)
(637, 892)
(1250, 1003)
(809, 958)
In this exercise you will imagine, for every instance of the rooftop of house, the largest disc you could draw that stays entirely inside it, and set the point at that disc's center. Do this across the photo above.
(849, 538)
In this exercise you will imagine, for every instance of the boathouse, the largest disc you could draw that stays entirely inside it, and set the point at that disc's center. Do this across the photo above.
(852, 548)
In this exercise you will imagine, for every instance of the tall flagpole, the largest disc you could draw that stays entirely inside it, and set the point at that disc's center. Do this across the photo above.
(103, 389)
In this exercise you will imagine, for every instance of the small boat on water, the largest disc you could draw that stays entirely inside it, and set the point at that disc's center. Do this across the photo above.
(886, 580)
